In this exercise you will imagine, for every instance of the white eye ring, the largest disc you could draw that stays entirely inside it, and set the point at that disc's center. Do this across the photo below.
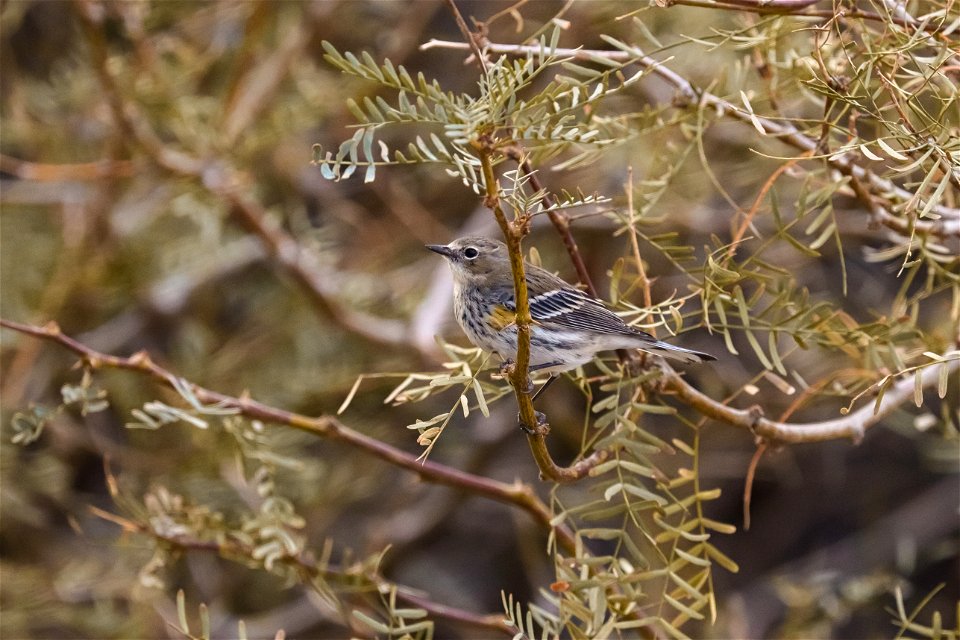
(470, 253)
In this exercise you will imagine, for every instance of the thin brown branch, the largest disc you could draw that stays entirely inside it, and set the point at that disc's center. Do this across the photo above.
(46, 172)
(513, 232)
(635, 247)
(559, 218)
(852, 426)
(762, 446)
(748, 218)
(517, 495)
(782, 7)
(469, 36)
(286, 252)
(233, 549)
(882, 188)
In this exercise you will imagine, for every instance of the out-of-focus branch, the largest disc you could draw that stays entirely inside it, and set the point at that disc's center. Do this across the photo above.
(851, 426)
(46, 172)
(880, 188)
(230, 185)
(925, 519)
(286, 252)
(800, 9)
(307, 567)
(258, 84)
(518, 495)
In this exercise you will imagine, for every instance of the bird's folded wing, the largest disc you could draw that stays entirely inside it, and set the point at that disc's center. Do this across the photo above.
(569, 308)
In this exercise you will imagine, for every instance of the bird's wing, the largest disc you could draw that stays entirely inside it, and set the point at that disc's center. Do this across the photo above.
(554, 302)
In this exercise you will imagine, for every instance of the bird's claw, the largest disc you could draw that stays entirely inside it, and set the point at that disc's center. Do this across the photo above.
(506, 371)
(542, 427)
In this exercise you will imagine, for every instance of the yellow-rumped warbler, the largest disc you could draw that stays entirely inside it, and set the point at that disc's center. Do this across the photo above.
(569, 327)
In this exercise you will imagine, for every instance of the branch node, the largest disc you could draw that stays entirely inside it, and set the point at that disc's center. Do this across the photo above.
(857, 432)
(140, 359)
(755, 413)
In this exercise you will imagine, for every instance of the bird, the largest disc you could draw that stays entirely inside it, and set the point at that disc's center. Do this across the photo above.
(568, 326)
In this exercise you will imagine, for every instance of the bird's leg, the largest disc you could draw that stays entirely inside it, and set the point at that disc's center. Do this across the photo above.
(542, 427)
(507, 369)
(544, 386)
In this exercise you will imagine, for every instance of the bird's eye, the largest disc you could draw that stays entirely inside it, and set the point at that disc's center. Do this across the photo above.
(470, 253)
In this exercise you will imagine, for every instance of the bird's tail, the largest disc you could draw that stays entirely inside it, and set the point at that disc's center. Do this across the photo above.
(680, 354)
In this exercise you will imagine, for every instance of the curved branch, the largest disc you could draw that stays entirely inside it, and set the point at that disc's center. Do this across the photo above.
(513, 232)
(852, 426)
(517, 494)
(519, 372)
(947, 225)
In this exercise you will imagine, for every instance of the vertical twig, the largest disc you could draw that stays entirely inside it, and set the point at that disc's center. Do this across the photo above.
(641, 270)
(468, 35)
(559, 219)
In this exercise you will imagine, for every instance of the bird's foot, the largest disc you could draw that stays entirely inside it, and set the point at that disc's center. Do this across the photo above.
(541, 429)
(507, 369)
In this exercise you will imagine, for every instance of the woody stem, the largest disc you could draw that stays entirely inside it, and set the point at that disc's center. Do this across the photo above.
(513, 232)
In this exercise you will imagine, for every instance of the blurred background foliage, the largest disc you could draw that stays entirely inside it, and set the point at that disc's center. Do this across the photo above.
(158, 211)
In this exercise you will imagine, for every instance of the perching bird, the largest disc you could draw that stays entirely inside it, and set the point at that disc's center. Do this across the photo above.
(568, 326)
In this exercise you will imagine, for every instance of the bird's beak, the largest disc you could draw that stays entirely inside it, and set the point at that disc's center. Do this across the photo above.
(442, 249)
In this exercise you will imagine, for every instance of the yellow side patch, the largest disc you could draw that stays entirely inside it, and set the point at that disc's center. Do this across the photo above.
(501, 317)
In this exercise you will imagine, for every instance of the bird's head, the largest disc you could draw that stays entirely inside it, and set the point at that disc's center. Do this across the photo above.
(475, 259)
